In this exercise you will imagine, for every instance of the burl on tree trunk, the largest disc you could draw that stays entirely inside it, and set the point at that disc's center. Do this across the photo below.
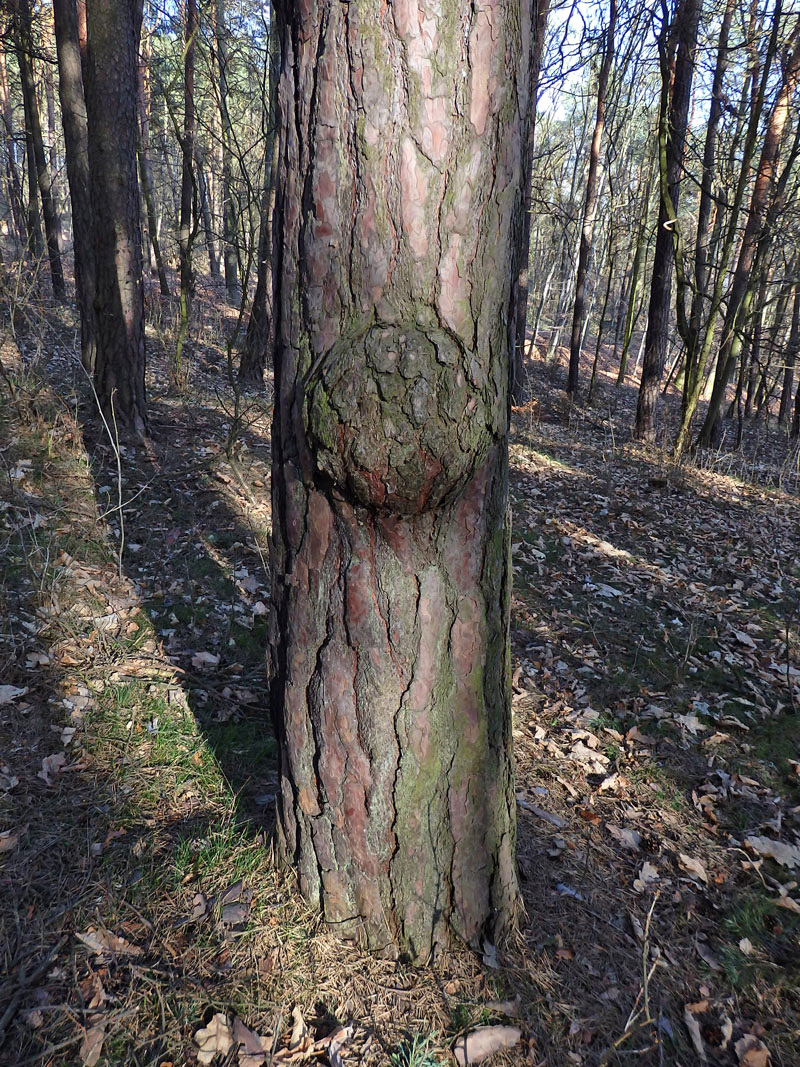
(400, 200)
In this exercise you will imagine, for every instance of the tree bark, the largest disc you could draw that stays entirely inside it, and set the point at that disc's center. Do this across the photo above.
(590, 205)
(113, 36)
(76, 140)
(400, 201)
(677, 52)
(23, 42)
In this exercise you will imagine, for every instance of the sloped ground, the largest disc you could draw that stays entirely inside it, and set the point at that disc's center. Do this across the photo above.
(656, 730)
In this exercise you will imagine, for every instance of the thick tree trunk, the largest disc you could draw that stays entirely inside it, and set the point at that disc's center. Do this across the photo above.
(229, 227)
(24, 48)
(677, 72)
(590, 205)
(76, 140)
(113, 34)
(399, 205)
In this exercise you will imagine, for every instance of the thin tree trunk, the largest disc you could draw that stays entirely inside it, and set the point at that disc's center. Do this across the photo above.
(741, 291)
(185, 234)
(540, 12)
(677, 50)
(145, 165)
(229, 220)
(15, 194)
(111, 99)
(639, 256)
(391, 579)
(24, 48)
(590, 204)
(76, 140)
(792, 349)
(205, 208)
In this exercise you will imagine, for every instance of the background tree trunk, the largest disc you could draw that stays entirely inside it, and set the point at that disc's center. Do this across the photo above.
(590, 205)
(185, 227)
(113, 36)
(229, 227)
(677, 72)
(23, 40)
(76, 139)
(391, 578)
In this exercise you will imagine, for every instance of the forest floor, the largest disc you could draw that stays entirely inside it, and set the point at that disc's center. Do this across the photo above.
(656, 690)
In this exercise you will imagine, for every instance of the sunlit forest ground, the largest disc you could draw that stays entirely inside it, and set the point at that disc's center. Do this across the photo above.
(656, 641)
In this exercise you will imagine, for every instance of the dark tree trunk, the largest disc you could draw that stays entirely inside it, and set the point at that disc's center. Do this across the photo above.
(23, 41)
(185, 230)
(15, 195)
(391, 579)
(76, 140)
(590, 207)
(113, 36)
(260, 336)
(741, 291)
(791, 361)
(519, 319)
(677, 53)
(229, 227)
(145, 166)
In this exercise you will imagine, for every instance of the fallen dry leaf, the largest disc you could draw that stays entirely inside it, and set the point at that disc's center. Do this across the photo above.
(101, 942)
(631, 839)
(8, 841)
(299, 1038)
(249, 1046)
(693, 1027)
(647, 876)
(52, 765)
(751, 1052)
(205, 659)
(786, 855)
(693, 867)
(11, 692)
(92, 1044)
(213, 1039)
(478, 1044)
(746, 946)
(336, 1043)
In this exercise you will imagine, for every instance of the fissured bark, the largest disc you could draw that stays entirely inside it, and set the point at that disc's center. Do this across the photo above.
(401, 132)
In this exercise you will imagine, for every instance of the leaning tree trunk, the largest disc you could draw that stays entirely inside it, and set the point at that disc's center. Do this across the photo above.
(113, 41)
(76, 140)
(400, 201)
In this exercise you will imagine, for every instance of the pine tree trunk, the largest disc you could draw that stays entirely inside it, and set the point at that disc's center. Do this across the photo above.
(229, 227)
(24, 48)
(677, 72)
(145, 165)
(185, 231)
(76, 140)
(113, 36)
(399, 205)
(539, 15)
(260, 336)
(791, 360)
(590, 206)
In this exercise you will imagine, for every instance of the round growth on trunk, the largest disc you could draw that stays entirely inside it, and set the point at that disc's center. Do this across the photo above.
(396, 419)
